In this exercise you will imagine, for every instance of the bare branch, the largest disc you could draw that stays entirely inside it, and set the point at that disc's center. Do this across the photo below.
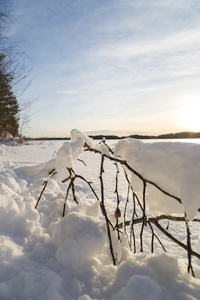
(45, 185)
(139, 210)
(189, 248)
(124, 163)
(104, 211)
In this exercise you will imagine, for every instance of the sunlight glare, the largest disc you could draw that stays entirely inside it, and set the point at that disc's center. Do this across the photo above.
(189, 115)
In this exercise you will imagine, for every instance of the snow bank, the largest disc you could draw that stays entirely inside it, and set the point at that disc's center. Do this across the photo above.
(46, 257)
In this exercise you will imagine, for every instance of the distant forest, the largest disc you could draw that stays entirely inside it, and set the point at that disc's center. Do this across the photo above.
(178, 135)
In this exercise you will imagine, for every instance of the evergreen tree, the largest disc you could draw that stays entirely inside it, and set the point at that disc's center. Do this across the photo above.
(13, 78)
(9, 107)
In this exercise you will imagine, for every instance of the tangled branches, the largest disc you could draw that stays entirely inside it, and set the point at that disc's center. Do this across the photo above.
(140, 213)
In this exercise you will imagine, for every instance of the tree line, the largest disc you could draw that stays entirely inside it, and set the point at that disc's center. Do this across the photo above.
(177, 135)
(12, 77)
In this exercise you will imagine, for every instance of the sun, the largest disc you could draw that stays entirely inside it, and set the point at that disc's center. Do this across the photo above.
(189, 115)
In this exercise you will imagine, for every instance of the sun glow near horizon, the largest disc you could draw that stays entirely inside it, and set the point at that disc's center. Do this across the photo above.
(189, 114)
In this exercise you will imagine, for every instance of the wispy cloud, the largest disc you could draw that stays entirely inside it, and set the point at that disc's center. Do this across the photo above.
(181, 41)
(112, 64)
(69, 92)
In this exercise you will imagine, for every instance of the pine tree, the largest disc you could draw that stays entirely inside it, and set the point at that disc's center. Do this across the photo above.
(9, 107)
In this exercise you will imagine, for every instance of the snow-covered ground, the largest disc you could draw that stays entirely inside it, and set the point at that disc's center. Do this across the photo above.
(44, 256)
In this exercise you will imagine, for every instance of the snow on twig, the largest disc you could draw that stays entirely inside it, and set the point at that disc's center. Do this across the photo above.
(140, 213)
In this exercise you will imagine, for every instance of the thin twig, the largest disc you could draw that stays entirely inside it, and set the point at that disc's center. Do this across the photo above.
(117, 212)
(67, 193)
(90, 185)
(155, 235)
(102, 204)
(73, 191)
(155, 220)
(132, 231)
(82, 161)
(158, 218)
(189, 248)
(104, 142)
(45, 185)
(125, 208)
(175, 240)
(143, 217)
(124, 162)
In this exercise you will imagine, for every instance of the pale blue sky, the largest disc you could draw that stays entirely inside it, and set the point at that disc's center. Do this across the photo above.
(111, 66)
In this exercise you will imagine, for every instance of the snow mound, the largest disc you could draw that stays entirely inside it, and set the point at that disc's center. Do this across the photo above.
(152, 277)
(78, 238)
(175, 167)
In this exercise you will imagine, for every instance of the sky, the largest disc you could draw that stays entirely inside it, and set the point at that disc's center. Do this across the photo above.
(110, 67)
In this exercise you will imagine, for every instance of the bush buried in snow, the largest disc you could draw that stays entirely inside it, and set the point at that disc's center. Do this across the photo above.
(47, 256)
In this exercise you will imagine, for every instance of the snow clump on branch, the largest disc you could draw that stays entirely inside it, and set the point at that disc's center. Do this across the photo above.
(173, 166)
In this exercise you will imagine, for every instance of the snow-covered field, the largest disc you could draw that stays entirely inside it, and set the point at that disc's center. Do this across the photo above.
(44, 256)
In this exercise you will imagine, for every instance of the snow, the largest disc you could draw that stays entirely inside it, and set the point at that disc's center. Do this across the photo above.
(44, 256)
(175, 167)
(82, 237)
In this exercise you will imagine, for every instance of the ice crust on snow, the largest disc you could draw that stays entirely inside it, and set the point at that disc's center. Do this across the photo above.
(46, 257)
